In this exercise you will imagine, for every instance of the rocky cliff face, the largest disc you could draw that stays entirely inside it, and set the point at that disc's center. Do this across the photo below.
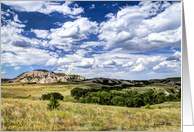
(44, 76)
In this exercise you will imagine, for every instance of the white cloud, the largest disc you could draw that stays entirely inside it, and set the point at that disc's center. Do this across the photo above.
(77, 30)
(51, 62)
(86, 63)
(170, 64)
(16, 19)
(27, 56)
(138, 68)
(44, 7)
(169, 36)
(3, 72)
(146, 62)
(17, 68)
(134, 28)
(176, 56)
(128, 64)
(151, 73)
(40, 33)
(92, 6)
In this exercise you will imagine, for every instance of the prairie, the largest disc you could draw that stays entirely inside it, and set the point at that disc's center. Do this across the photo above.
(21, 112)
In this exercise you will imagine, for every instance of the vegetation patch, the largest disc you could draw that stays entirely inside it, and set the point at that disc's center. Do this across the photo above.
(55, 95)
(128, 99)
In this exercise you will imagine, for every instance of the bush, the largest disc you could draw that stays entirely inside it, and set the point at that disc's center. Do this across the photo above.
(147, 100)
(148, 106)
(138, 102)
(119, 101)
(55, 95)
(53, 103)
(161, 99)
(77, 93)
(83, 100)
(129, 102)
(95, 100)
(171, 97)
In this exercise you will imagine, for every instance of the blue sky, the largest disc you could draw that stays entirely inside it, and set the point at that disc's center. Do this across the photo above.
(115, 39)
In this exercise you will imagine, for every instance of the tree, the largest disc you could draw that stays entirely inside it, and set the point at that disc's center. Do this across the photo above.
(171, 97)
(147, 100)
(77, 93)
(53, 103)
(95, 100)
(138, 102)
(120, 101)
(161, 99)
(129, 102)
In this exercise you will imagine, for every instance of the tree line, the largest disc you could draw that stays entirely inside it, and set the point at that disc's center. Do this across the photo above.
(128, 99)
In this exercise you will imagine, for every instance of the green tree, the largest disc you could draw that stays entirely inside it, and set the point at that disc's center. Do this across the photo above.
(147, 100)
(138, 102)
(53, 103)
(119, 101)
(161, 99)
(129, 102)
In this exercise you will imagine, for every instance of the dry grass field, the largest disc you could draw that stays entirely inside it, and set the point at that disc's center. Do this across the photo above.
(19, 112)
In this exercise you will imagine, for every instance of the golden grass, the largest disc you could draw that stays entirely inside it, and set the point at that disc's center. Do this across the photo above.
(12, 90)
(32, 115)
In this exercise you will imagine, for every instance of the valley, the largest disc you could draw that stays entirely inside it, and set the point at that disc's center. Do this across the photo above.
(22, 110)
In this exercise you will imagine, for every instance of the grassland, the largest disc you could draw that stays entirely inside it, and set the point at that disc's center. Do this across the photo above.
(20, 112)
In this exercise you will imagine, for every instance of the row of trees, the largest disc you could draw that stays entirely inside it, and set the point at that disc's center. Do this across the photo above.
(128, 99)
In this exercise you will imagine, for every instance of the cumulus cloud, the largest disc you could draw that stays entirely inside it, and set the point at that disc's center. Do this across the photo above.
(142, 28)
(27, 56)
(170, 64)
(77, 30)
(17, 68)
(147, 26)
(111, 64)
(21, 43)
(144, 63)
(40, 33)
(2, 72)
(44, 7)
(176, 56)
(85, 63)
(51, 62)
(128, 64)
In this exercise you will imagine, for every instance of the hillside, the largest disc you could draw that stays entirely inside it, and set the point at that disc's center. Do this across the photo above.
(44, 76)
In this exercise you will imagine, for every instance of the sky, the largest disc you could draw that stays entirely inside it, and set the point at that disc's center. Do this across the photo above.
(131, 40)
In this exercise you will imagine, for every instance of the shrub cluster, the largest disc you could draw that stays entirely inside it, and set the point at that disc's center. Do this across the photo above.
(55, 95)
(129, 99)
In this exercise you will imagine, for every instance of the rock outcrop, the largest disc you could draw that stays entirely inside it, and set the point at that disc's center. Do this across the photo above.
(44, 76)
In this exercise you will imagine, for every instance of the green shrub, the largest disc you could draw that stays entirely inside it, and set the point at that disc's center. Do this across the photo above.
(171, 97)
(147, 100)
(83, 100)
(55, 95)
(148, 106)
(77, 93)
(138, 102)
(95, 100)
(161, 99)
(53, 103)
(119, 101)
(129, 102)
